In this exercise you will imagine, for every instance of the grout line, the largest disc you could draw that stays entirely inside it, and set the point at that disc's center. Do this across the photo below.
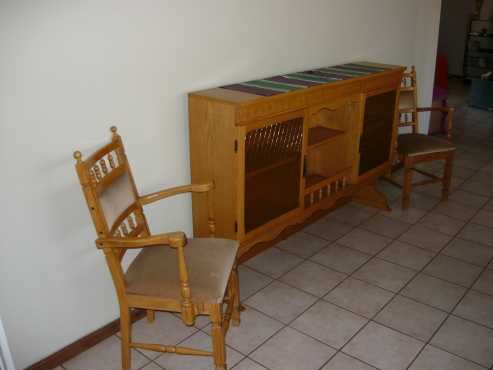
(460, 300)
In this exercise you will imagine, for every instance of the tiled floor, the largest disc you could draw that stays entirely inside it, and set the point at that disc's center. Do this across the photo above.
(362, 289)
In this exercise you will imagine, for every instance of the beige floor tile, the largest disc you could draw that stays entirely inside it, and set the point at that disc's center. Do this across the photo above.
(329, 324)
(423, 201)
(251, 281)
(104, 356)
(254, 329)
(383, 348)
(456, 210)
(351, 214)
(489, 206)
(426, 238)
(391, 192)
(478, 233)
(166, 329)
(385, 226)
(485, 283)
(406, 255)
(273, 262)
(435, 190)
(484, 218)
(302, 244)
(468, 199)
(202, 341)
(152, 366)
(480, 188)
(291, 350)
(453, 270)
(328, 229)
(410, 215)
(435, 359)
(359, 297)
(385, 274)
(341, 361)
(364, 241)
(476, 307)
(469, 251)
(412, 318)
(281, 301)
(313, 278)
(444, 224)
(469, 163)
(248, 364)
(462, 172)
(435, 292)
(340, 258)
(466, 339)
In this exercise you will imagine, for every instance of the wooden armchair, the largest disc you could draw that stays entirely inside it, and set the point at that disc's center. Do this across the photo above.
(417, 148)
(170, 273)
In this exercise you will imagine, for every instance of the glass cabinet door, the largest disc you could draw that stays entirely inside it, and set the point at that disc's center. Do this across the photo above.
(375, 142)
(272, 171)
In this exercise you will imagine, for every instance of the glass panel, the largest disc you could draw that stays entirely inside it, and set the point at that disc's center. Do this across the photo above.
(377, 131)
(273, 165)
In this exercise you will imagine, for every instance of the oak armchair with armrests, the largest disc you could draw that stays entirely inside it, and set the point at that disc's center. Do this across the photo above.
(414, 148)
(171, 273)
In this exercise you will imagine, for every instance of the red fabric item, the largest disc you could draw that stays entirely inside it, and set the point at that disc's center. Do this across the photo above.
(441, 73)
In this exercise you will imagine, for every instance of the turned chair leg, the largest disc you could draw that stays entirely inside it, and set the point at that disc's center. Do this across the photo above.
(218, 346)
(408, 183)
(125, 330)
(151, 316)
(235, 316)
(447, 176)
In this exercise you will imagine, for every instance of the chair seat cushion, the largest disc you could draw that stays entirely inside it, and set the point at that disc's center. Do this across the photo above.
(419, 144)
(154, 272)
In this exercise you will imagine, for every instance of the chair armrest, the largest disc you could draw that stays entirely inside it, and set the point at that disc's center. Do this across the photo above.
(192, 188)
(435, 109)
(174, 240)
(449, 111)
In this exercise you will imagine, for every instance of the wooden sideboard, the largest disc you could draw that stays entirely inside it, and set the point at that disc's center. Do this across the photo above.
(282, 148)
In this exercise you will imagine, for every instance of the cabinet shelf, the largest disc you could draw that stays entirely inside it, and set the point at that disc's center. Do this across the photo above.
(319, 135)
(261, 168)
(313, 179)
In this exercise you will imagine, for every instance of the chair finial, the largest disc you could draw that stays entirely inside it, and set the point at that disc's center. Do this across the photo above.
(113, 129)
(78, 156)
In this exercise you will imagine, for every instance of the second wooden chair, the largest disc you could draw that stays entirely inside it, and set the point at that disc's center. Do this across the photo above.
(414, 148)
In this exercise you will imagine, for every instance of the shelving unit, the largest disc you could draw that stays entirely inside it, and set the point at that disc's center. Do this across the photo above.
(478, 57)
(277, 160)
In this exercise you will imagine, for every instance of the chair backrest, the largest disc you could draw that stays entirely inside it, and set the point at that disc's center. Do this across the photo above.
(110, 191)
(408, 101)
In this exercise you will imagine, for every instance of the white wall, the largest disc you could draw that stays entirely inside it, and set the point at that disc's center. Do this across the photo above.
(69, 69)
(454, 27)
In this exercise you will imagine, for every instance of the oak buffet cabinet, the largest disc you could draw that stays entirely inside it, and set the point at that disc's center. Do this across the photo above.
(282, 148)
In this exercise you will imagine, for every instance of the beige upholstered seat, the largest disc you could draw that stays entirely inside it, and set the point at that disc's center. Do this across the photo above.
(154, 272)
(419, 144)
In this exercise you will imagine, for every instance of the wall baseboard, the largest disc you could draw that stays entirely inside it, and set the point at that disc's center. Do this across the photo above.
(83, 344)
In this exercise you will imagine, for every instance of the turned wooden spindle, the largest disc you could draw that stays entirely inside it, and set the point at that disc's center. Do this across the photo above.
(102, 164)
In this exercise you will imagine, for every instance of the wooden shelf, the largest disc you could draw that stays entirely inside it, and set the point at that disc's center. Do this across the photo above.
(313, 179)
(260, 168)
(319, 135)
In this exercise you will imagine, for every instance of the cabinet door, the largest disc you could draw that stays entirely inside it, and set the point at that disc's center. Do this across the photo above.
(272, 170)
(376, 139)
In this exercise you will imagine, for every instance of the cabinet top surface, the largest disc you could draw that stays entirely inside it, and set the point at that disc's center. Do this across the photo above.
(251, 90)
